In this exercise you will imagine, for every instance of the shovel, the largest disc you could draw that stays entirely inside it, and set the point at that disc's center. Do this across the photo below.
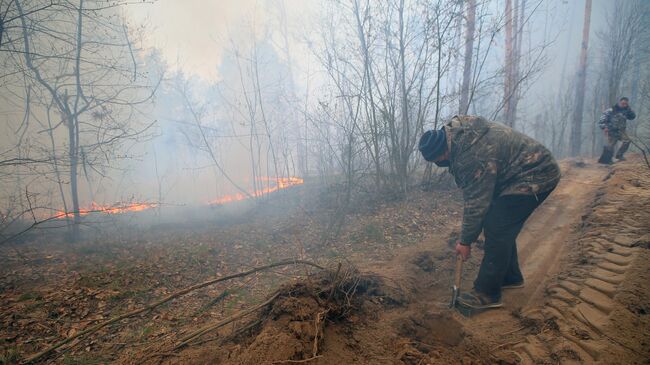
(455, 292)
(455, 289)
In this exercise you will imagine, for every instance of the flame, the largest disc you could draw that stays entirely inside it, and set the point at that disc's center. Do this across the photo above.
(109, 209)
(275, 184)
(280, 183)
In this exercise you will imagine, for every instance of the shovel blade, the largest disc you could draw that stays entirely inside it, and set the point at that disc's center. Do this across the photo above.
(454, 296)
(466, 311)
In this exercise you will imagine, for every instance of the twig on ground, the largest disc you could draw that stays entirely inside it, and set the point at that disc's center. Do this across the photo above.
(213, 302)
(297, 361)
(334, 283)
(509, 344)
(513, 331)
(518, 356)
(316, 326)
(235, 334)
(185, 340)
(163, 354)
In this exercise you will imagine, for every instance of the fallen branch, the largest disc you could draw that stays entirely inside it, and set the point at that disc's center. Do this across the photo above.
(185, 340)
(213, 302)
(297, 361)
(509, 344)
(166, 299)
(237, 332)
(316, 327)
(513, 331)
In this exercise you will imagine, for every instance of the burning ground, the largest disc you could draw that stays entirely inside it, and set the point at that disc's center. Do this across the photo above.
(586, 298)
(264, 185)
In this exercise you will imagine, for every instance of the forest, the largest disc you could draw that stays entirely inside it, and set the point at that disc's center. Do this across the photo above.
(247, 153)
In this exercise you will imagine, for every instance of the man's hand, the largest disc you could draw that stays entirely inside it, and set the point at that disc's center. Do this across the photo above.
(606, 130)
(463, 251)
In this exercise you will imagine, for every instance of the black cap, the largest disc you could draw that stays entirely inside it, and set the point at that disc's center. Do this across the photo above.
(433, 144)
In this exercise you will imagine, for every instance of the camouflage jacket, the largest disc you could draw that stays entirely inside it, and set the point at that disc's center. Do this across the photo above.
(490, 160)
(615, 118)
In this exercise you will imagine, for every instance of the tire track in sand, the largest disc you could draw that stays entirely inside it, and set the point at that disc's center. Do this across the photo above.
(583, 300)
(547, 234)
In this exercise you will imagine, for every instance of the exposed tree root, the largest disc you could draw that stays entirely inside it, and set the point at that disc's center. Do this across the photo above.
(291, 327)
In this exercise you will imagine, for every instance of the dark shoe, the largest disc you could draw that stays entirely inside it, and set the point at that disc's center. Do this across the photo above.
(513, 285)
(606, 157)
(477, 300)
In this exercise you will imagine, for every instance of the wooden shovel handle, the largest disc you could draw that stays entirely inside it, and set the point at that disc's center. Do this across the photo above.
(459, 271)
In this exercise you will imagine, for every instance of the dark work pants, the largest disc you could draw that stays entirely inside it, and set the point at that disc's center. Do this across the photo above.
(501, 226)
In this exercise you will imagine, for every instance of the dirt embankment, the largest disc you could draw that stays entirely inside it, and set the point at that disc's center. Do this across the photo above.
(585, 258)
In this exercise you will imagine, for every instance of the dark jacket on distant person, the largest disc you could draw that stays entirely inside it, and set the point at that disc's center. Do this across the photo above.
(489, 160)
(615, 118)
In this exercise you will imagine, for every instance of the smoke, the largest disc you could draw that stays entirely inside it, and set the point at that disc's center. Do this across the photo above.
(240, 96)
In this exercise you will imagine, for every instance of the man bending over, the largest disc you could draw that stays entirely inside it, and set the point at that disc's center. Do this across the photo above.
(505, 175)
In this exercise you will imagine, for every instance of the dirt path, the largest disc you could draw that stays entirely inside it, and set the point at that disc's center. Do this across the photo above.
(547, 235)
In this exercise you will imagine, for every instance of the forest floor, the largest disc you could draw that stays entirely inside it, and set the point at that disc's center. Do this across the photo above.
(584, 254)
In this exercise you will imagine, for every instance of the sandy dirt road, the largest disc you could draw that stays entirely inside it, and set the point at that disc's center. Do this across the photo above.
(548, 234)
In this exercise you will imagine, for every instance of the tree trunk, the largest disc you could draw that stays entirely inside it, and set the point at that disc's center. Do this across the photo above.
(636, 76)
(403, 152)
(576, 131)
(74, 161)
(469, 49)
(518, 27)
(374, 126)
(73, 127)
(507, 92)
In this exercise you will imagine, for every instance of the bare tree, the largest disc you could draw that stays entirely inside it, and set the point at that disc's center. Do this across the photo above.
(203, 141)
(576, 130)
(514, 25)
(508, 71)
(470, 21)
(89, 74)
(400, 59)
(261, 102)
(619, 40)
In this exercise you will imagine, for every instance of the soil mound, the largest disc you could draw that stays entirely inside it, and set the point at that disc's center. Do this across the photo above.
(294, 324)
(292, 327)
